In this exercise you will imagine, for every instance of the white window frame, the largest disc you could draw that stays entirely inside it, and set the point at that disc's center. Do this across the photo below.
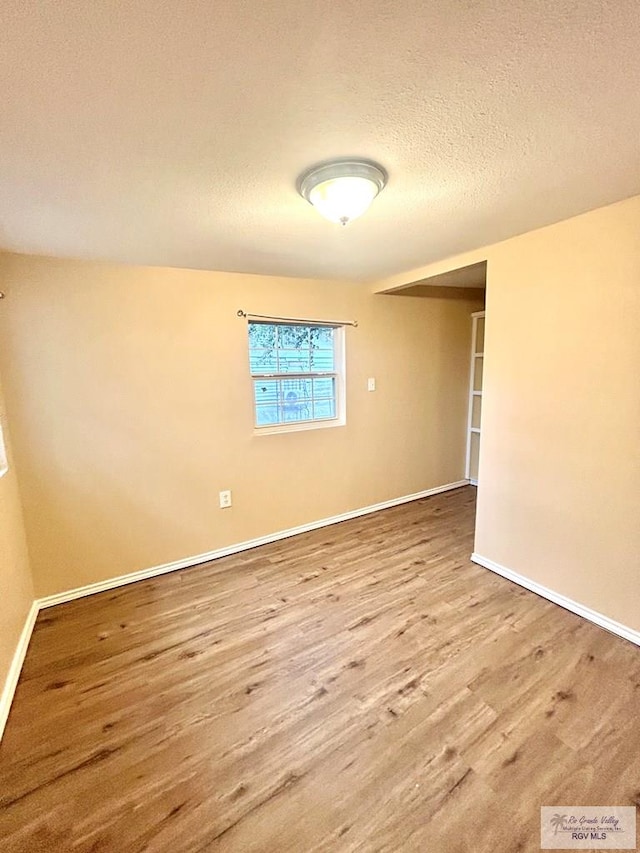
(4, 462)
(338, 374)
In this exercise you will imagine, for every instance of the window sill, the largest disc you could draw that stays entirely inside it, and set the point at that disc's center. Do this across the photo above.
(303, 427)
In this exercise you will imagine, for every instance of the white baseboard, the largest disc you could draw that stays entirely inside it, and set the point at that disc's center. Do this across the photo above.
(568, 604)
(132, 577)
(13, 675)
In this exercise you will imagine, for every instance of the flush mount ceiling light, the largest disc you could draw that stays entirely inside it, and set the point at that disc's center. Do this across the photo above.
(343, 190)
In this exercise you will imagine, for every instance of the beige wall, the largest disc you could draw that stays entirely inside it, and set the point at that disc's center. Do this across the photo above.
(130, 392)
(16, 589)
(559, 494)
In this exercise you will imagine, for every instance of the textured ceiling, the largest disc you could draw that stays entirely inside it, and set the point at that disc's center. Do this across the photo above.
(173, 133)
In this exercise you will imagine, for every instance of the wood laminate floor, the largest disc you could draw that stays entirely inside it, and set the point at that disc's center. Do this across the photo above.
(360, 688)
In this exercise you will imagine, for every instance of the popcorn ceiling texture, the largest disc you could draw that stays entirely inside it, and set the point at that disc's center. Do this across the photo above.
(173, 133)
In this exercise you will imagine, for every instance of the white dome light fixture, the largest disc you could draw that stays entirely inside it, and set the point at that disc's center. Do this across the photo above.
(341, 191)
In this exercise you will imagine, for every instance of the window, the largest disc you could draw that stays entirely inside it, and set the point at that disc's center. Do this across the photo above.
(298, 375)
(4, 465)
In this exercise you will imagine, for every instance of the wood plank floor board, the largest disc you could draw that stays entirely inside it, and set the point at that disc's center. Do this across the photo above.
(363, 687)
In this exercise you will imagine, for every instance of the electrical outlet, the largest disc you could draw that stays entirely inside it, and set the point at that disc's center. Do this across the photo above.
(225, 499)
(371, 384)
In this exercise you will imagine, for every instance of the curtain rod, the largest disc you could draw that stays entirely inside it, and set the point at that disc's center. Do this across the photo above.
(241, 313)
